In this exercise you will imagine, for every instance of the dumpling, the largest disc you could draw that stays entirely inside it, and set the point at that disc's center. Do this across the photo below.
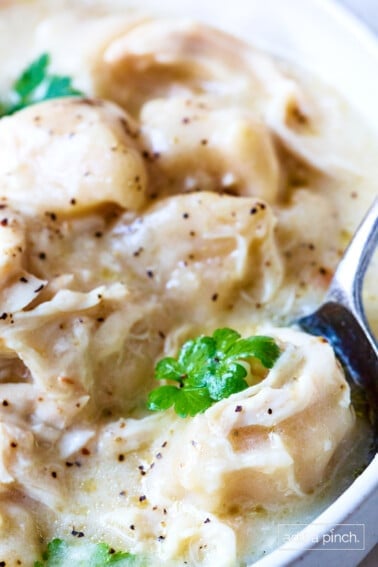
(197, 146)
(200, 251)
(69, 156)
(265, 445)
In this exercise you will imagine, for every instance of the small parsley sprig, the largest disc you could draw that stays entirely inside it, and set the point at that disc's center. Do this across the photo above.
(59, 553)
(36, 84)
(209, 369)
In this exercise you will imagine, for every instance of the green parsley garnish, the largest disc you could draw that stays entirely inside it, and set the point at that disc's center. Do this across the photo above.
(59, 553)
(36, 84)
(209, 369)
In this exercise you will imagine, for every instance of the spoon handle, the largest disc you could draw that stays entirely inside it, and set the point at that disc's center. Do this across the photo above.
(347, 282)
(341, 318)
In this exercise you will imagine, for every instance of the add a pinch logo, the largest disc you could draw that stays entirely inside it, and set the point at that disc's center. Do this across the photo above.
(322, 537)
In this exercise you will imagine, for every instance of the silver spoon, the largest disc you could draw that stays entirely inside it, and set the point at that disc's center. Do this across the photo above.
(341, 318)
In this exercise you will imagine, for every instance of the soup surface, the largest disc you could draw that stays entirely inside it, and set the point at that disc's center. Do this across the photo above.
(189, 184)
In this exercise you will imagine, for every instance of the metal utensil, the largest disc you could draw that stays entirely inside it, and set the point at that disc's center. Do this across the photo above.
(341, 318)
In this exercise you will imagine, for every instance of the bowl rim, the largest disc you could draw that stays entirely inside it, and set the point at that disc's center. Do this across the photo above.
(362, 495)
(363, 490)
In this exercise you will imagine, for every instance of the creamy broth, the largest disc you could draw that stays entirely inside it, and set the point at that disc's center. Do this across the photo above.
(200, 184)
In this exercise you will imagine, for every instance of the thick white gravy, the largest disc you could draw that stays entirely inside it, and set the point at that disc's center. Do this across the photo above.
(200, 185)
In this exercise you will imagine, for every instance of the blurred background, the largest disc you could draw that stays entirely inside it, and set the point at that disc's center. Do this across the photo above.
(366, 10)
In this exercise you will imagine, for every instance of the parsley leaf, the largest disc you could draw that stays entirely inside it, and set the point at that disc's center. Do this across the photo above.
(35, 84)
(209, 369)
(61, 554)
(32, 76)
(162, 398)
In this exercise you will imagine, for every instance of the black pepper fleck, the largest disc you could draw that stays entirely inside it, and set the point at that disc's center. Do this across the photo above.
(238, 409)
(138, 252)
(76, 533)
